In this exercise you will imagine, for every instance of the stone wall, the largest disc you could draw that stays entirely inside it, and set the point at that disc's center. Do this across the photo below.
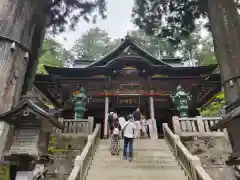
(63, 150)
(213, 152)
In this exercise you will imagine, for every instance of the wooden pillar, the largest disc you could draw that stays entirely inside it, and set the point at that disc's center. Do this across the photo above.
(106, 116)
(150, 82)
(151, 106)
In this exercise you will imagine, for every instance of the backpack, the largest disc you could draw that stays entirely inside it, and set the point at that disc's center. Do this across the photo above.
(116, 131)
(110, 118)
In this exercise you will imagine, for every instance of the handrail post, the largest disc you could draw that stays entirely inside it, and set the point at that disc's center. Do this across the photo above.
(176, 125)
(191, 164)
(200, 124)
(195, 162)
(90, 140)
(83, 162)
(90, 124)
(79, 162)
(176, 140)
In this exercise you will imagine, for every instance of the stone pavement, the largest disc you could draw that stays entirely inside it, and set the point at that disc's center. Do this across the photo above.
(152, 160)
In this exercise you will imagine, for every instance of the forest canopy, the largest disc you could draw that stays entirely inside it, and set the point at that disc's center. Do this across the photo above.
(67, 13)
(172, 19)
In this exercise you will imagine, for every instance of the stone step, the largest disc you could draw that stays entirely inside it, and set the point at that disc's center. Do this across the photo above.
(151, 149)
(144, 166)
(111, 158)
(152, 160)
(139, 153)
(137, 174)
(168, 177)
(56, 177)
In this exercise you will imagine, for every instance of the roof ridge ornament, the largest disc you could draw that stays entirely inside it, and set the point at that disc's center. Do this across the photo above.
(128, 35)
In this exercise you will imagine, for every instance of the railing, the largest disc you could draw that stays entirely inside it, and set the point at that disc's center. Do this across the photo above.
(4, 129)
(83, 162)
(190, 164)
(195, 124)
(73, 126)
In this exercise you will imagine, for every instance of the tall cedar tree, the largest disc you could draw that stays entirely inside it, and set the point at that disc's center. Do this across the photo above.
(176, 18)
(23, 26)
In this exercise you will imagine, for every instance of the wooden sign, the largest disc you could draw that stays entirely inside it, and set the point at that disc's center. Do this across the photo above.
(128, 101)
(129, 87)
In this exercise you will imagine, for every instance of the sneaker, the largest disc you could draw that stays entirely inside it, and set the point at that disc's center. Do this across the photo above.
(130, 159)
(124, 158)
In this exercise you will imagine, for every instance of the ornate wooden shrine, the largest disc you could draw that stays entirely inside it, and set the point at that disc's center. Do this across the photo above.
(127, 78)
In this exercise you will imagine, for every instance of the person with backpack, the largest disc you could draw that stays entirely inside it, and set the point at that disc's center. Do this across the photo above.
(137, 120)
(115, 138)
(111, 117)
(128, 136)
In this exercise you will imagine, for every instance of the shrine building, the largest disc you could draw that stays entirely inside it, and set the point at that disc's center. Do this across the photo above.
(127, 78)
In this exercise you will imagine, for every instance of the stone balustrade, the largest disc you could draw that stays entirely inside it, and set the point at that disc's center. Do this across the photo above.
(199, 126)
(4, 128)
(83, 161)
(190, 164)
(72, 126)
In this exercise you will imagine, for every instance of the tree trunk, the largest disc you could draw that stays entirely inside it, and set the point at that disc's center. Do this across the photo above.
(225, 26)
(22, 22)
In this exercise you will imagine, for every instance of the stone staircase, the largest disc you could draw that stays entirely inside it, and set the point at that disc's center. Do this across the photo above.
(152, 160)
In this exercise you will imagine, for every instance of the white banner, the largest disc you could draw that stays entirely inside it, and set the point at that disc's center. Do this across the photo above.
(153, 128)
(24, 175)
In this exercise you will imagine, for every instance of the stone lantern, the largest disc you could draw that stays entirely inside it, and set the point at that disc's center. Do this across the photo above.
(180, 100)
(81, 101)
(32, 126)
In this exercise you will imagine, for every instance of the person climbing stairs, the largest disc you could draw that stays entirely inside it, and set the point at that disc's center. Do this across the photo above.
(152, 159)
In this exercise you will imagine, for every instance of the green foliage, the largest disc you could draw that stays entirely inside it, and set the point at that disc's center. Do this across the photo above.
(155, 46)
(207, 54)
(96, 43)
(67, 13)
(213, 109)
(93, 44)
(190, 45)
(53, 54)
(60, 144)
(171, 19)
(4, 172)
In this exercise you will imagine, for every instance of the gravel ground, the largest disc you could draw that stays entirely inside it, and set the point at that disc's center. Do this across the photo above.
(212, 152)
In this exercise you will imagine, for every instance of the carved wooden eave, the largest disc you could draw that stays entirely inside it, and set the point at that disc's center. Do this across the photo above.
(129, 68)
(23, 114)
(128, 48)
(100, 76)
(159, 76)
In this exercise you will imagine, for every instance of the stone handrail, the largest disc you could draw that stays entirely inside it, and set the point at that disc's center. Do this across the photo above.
(4, 129)
(73, 126)
(194, 124)
(190, 164)
(83, 162)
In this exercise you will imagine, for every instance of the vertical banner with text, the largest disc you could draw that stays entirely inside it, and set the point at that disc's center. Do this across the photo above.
(153, 128)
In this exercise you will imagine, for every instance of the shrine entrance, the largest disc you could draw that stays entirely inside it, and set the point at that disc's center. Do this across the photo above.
(127, 104)
(125, 111)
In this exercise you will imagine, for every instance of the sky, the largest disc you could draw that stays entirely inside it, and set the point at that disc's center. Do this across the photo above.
(117, 23)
